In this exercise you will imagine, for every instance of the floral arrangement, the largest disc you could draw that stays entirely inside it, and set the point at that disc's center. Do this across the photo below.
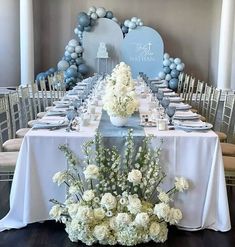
(120, 98)
(116, 199)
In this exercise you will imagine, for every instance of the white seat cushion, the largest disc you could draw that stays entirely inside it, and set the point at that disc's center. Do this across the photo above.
(20, 133)
(8, 161)
(12, 145)
(41, 114)
(32, 122)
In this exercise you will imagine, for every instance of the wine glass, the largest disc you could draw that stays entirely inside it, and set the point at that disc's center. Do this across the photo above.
(165, 103)
(170, 111)
(71, 114)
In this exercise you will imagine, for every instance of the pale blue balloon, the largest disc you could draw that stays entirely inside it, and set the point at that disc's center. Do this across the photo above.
(166, 62)
(109, 14)
(66, 53)
(124, 29)
(171, 59)
(87, 29)
(161, 75)
(168, 77)
(83, 69)
(180, 67)
(70, 49)
(126, 23)
(84, 20)
(167, 70)
(62, 65)
(166, 56)
(132, 25)
(71, 72)
(173, 66)
(101, 12)
(177, 60)
(173, 83)
(175, 73)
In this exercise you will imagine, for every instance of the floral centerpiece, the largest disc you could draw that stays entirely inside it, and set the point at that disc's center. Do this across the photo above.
(117, 199)
(120, 100)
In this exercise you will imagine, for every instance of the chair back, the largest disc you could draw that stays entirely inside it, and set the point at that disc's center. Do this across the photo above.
(198, 95)
(185, 86)
(206, 101)
(44, 94)
(5, 121)
(36, 99)
(16, 113)
(227, 113)
(180, 83)
(215, 99)
(189, 94)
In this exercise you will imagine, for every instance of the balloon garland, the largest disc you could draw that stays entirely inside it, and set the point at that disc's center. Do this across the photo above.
(72, 63)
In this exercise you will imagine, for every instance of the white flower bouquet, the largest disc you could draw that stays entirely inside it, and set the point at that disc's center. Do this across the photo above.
(120, 98)
(117, 198)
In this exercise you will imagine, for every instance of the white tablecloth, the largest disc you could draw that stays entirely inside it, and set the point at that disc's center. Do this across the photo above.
(196, 156)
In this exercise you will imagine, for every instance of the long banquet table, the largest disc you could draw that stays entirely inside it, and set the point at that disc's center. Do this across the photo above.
(195, 155)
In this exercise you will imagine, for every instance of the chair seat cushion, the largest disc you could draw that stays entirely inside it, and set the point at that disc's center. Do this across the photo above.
(203, 119)
(41, 114)
(228, 149)
(32, 122)
(12, 145)
(48, 108)
(222, 136)
(8, 161)
(20, 133)
(193, 110)
(229, 163)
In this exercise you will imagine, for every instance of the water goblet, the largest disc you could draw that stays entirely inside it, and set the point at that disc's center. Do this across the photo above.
(71, 114)
(165, 102)
(170, 111)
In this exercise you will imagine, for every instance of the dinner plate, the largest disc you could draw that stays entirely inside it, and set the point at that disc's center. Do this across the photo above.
(181, 106)
(175, 99)
(195, 126)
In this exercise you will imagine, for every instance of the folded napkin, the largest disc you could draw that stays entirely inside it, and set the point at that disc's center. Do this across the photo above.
(50, 125)
(180, 106)
(56, 113)
(192, 124)
(175, 99)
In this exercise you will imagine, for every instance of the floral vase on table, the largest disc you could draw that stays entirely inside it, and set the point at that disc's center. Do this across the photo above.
(120, 100)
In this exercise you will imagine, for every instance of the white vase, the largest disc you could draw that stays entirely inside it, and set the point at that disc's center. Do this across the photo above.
(118, 121)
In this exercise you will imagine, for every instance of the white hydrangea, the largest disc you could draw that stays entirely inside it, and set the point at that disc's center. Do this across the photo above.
(163, 197)
(72, 209)
(134, 204)
(154, 230)
(135, 176)
(162, 210)
(59, 177)
(84, 214)
(108, 201)
(99, 213)
(73, 189)
(101, 232)
(142, 219)
(91, 172)
(123, 219)
(181, 184)
(88, 195)
(56, 212)
(174, 216)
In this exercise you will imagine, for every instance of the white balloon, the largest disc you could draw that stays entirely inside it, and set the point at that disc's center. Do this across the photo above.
(126, 23)
(94, 16)
(74, 55)
(73, 66)
(73, 42)
(78, 49)
(177, 60)
(134, 19)
(70, 49)
(141, 23)
(166, 56)
(92, 9)
(168, 77)
(62, 65)
(132, 25)
(67, 53)
(101, 12)
(76, 30)
(66, 47)
(115, 19)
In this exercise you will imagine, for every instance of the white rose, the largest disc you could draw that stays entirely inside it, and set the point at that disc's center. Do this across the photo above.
(99, 213)
(84, 214)
(175, 216)
(163, 197)
(91, 172)
(108, 201)
(162, 210)
(134, 204)
(56, 212)
(154, 230)
(88, 195)
(181, 184)
(101, 232)
(72, 209)
(142, 219)
(73, 189)
(135, 176)
(123, 219)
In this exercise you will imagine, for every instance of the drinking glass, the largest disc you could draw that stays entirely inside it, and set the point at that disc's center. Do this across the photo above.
(170, 111)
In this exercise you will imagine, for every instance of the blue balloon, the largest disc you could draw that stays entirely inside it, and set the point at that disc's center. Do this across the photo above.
(109, 14)
(167, 70)
(124, 29)
(84, 20)
(166, 62)
(177, 60)
(166, 56)
(80, 28)
(87, 29)
(168, 77)
(71, 72)
(175, 73)
(92, 22)
(40, 76)
(79, 60)
(173, 83)
(180, 67)
(83, 69)
(68, 58)
(172, 66)
(161, 75)
(52, 70)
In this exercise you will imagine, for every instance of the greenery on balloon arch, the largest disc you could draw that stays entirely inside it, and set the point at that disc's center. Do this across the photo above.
(73, 65)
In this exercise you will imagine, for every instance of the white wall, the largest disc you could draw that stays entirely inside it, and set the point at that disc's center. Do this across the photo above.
(9, 43)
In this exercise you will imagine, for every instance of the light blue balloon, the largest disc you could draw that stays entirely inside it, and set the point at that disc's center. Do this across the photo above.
(84, 20)
(109, 14)
(166, 62)
(79, 61)
(62, 65)
(126, 23)
(83, 69)
(173, 83)
(173, 66)
(70, 49)
(180, 67)
(87, 29)
(40, 76)
(71, 72)
(168, 77)
(167, 70)
(175, 73)
(177, 60)
(171, 59)
(166, 56)
(124, 29)
(66, 53)
(161, 75)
